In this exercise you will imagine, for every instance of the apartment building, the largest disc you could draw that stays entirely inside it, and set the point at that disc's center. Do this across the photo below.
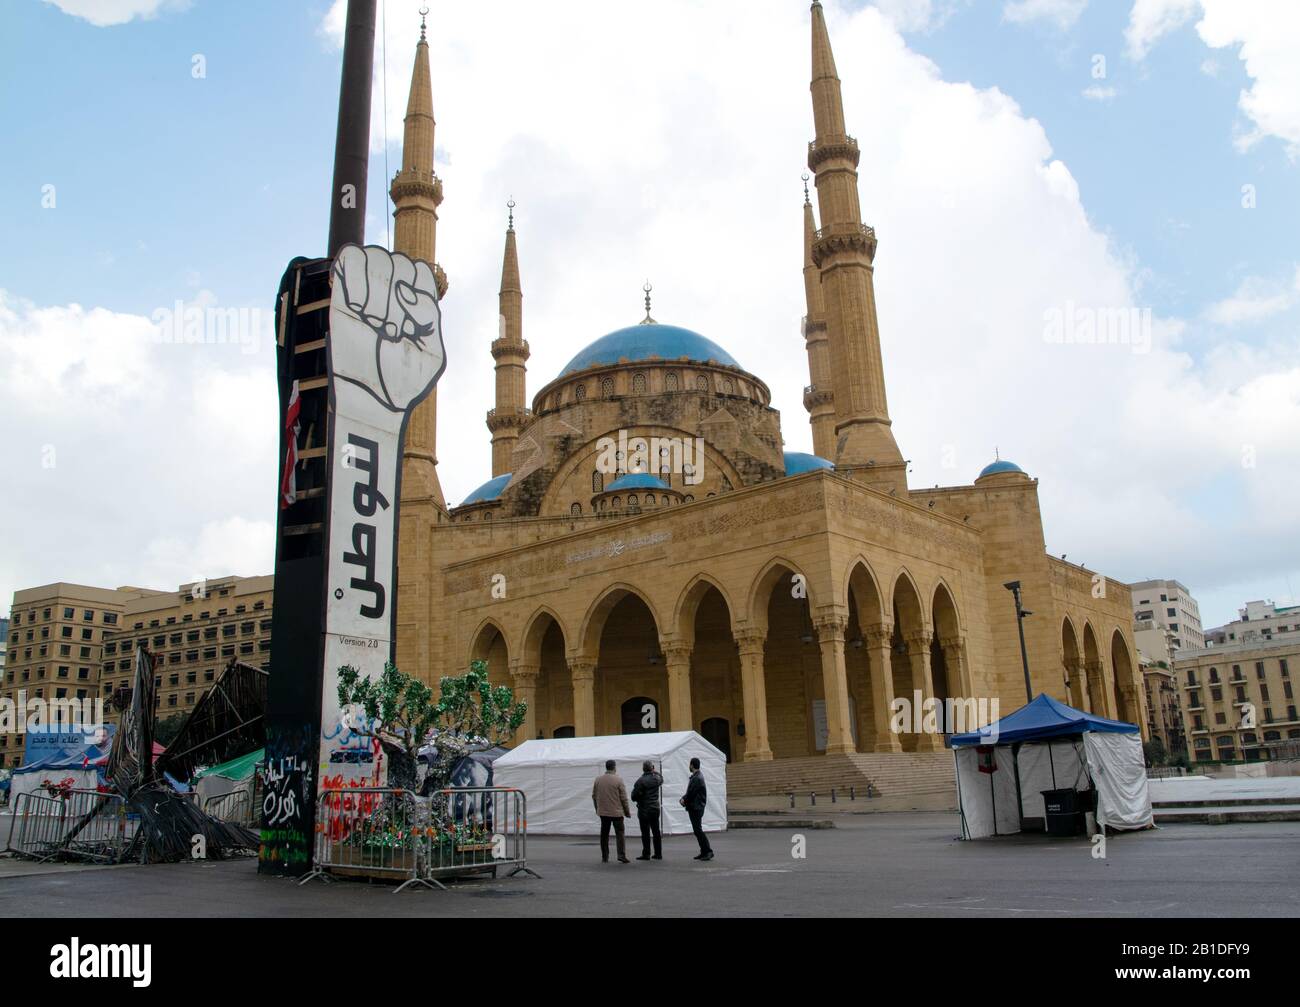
(194, 632)
(1239, 699)
(1166, 605)
(55, 645)
(1259, 622)
(1164, 707)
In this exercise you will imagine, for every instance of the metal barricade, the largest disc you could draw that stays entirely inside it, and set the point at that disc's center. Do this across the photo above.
(369, 832)
(380, 832)
(486, 830)
(235, 808)
(72, 825)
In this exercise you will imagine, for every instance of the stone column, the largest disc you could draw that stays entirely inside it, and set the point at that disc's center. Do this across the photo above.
(1096, 679)
(524, 681)
(751, 645)
(677, 656)
(918, 654)
(1078, 692)
(881, 672)
(583, 672)
(835, 684)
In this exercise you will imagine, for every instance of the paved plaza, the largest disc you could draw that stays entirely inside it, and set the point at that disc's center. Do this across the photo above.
(905, 864)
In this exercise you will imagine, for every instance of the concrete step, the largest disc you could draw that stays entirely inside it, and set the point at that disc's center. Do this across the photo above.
(779, 822)
(1226, 802)
(1228, 814)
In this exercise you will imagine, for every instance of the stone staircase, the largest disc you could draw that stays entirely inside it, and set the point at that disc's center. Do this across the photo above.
(890, 775)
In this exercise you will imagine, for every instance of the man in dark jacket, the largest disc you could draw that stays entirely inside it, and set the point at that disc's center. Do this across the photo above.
(694, 801)
(645, 795)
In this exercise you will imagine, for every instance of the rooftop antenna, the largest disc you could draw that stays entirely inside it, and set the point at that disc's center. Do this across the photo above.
(648, 320)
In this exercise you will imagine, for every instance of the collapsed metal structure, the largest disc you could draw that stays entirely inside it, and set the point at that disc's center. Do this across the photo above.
(138, 816)
(229, 721)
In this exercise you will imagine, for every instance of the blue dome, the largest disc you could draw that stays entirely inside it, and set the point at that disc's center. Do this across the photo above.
(637, 481)
(798, 462)
(1001, 465)
(643, 342)
(490, 490)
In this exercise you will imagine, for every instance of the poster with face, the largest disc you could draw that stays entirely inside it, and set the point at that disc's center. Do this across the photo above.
(386, 354)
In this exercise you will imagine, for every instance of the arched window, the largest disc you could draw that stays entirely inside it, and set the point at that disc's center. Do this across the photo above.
(597, 483)
(650, 499)
(576, 509)
(607, 386)
(701, 383)
(638, 383)
(616, 503)
(728, 386)
(563, 732)
(631, 500)
(580, 393)
(671, 381)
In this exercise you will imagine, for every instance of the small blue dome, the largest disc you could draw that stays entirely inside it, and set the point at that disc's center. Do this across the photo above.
(643, 342)
(798, 462)
(490, 490)
(1001, 465)
(637, 481)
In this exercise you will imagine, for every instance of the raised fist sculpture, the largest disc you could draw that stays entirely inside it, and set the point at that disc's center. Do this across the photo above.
(385, 325)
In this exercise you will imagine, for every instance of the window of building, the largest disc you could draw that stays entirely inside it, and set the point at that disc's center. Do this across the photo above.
(68, 613)
(607, 386)
(701, 383)
(110, 618)
(638, 383)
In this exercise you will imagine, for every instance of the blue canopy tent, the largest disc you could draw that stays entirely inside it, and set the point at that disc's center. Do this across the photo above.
(1023, 768)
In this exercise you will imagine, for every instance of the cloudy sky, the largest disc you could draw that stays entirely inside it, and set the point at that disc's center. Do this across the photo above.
(1032, 167)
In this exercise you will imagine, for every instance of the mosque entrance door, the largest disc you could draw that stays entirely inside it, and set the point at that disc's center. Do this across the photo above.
(717, 732)
(640, 715)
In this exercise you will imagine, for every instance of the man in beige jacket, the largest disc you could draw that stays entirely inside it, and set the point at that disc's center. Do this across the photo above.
(609, 795)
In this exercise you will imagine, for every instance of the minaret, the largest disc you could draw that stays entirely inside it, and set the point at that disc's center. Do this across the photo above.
(416, 194)
(843, 251)
(818, 398)
(511, 354)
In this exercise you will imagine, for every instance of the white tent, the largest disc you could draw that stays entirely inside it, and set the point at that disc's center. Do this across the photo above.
(556, 777)
(1003, 769)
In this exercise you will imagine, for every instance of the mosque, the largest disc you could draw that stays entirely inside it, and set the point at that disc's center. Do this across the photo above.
(647, 556)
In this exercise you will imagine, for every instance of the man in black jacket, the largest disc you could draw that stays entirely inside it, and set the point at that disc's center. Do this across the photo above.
(645, 795)
(694, 801)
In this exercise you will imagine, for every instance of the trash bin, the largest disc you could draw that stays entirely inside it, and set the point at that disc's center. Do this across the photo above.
(1061, 809)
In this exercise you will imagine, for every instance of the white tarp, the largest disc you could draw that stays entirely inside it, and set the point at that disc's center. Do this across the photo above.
(556, 775)
(1055, 765)
(987, 800)
(30, 781)
(1118, 769)
(1113, 761)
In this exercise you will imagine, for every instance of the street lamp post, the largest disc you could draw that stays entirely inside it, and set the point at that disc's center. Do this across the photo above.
(1014, 587)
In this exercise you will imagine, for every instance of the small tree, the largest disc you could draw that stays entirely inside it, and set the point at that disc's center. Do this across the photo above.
(400, 710)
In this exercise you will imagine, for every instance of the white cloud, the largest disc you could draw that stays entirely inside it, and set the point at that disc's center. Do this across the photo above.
(131, 459)
(917, 15)
(1267, 37)
(1060, 14)
(1255, 300)
(104, 13)
(1151, 20)
(683, 165)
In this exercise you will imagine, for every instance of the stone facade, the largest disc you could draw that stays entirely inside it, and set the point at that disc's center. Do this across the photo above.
(777, 610)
